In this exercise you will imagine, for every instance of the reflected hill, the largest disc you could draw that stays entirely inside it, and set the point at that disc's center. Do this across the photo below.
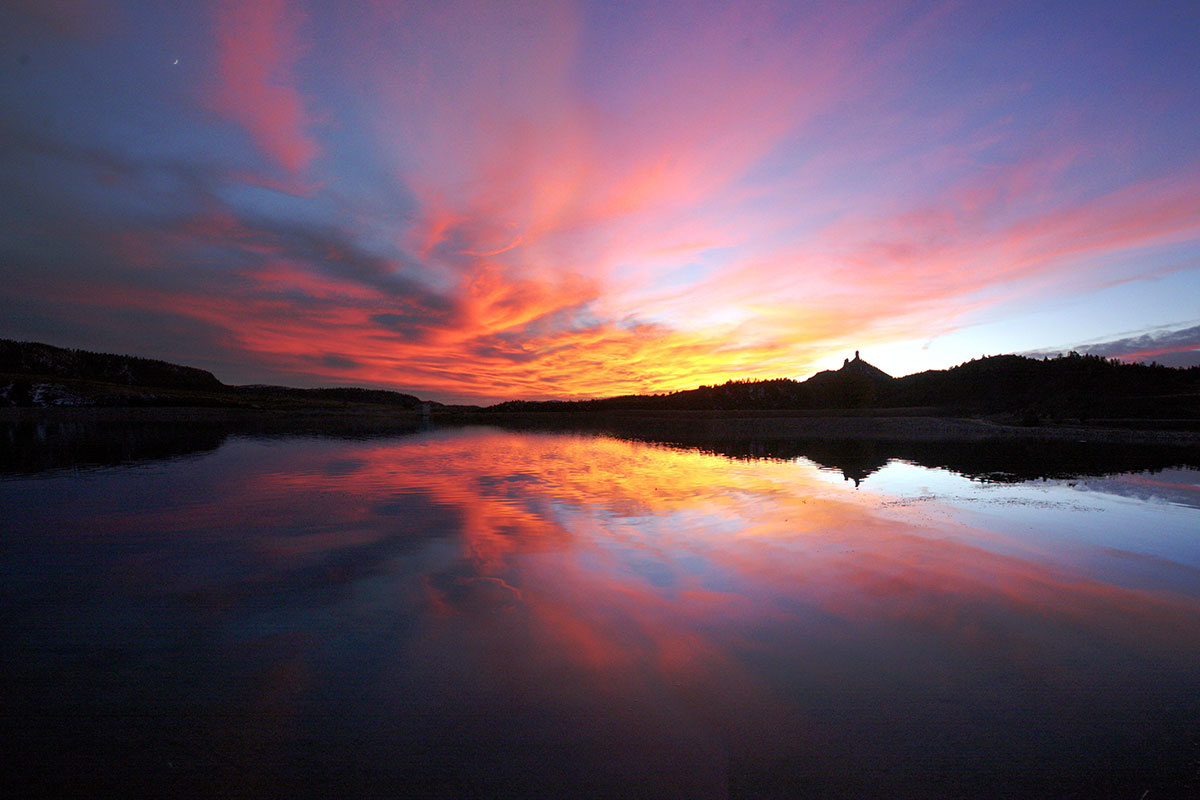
(997, 462)
(36, 375)
(37, 444)
(34, 444)
(858, 447)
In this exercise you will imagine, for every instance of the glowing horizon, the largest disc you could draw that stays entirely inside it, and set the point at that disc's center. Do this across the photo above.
(474, 201)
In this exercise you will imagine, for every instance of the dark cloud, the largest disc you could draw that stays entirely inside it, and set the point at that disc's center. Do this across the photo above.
(412, 326)
(69, 206)
(527, 343)
(490, 349)
(1179, 358)
(66, 18)
(40, 159)
(339, 362)
(335, 253)
(149, 333)
(1173, 348)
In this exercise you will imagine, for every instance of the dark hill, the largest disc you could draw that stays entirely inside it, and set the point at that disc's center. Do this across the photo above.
(856, 385)
(1018, 388)
(33, 358)
(339, 394)
(852, 368)
(1068, 387)
(1075, 386)
(35, 374)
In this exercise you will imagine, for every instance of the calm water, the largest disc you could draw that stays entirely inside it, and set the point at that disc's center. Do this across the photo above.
(478, 613)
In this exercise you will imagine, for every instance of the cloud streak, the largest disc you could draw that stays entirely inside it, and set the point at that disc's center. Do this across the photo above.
(258, 45)
(1178, 347)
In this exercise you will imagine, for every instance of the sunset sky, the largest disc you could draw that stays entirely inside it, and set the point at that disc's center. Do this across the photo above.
(474, 201)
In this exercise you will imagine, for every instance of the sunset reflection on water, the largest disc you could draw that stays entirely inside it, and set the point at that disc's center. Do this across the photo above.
(478, 612)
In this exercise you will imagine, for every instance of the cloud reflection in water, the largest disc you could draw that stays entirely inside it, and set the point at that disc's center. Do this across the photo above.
(477, 610)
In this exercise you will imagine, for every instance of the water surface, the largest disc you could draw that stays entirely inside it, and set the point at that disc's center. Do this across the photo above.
(480, 613)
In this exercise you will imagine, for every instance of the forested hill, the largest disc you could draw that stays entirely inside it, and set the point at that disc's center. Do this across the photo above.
(1068, 387)
(33, 358)
(35, 374)
(1071, 386)
(1075, 385)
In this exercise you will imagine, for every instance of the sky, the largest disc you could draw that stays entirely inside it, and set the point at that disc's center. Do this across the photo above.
(478, 201)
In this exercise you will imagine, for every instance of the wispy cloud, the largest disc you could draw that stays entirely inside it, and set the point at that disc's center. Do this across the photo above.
(1172, 347)
(258, 45)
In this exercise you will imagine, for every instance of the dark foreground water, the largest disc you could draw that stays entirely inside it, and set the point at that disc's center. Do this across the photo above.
(477, 613)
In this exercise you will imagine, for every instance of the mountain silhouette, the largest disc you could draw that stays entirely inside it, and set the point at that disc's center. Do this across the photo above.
(1025, 390)
(1074, 386)
(856, 385)
(34, 358)
(36, 374)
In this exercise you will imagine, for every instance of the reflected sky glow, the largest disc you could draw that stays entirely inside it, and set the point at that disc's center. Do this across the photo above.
(475, 589)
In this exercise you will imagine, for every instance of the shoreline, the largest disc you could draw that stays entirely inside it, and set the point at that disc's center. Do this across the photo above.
(905, 425)
(782, 426)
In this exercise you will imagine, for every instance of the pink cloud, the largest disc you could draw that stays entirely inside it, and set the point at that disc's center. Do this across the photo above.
(258, 47)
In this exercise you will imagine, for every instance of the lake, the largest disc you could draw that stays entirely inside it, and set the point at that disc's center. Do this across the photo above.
(476, 612)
